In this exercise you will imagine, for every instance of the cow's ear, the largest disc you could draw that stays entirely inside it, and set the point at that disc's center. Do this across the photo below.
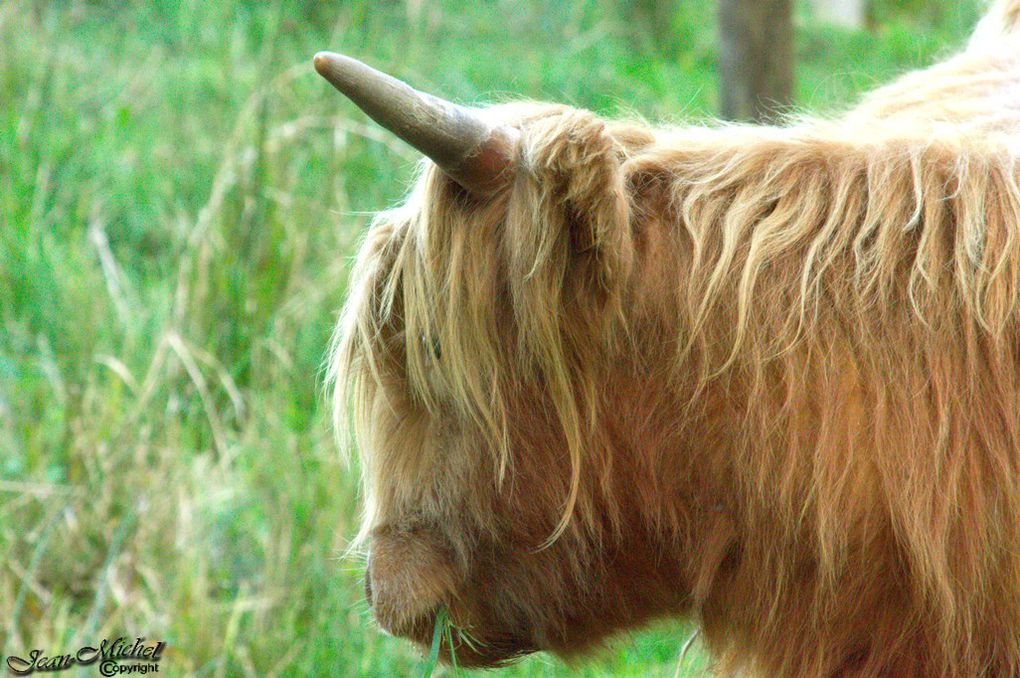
(569, 197)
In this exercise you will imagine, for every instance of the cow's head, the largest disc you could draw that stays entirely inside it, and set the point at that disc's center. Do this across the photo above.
(488, 352)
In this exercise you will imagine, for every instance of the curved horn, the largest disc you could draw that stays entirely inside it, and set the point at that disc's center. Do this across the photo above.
(472, 152)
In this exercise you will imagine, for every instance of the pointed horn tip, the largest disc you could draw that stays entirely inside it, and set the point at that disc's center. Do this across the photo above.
(469, 150)
(322, 61)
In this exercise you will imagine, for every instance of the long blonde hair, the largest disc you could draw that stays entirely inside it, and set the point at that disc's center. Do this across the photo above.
(853, 282)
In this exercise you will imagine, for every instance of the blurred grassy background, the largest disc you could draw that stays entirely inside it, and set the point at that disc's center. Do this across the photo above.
(180, 196)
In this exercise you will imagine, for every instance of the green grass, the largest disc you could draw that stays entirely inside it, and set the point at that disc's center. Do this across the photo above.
(180, 196)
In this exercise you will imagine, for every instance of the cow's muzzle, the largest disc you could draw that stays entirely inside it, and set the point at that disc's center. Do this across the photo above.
(411, 576)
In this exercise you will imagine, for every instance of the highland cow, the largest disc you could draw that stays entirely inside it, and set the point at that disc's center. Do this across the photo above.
(767, 378)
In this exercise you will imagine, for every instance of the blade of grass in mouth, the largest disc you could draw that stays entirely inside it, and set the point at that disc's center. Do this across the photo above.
(442, 620)
(449, 643)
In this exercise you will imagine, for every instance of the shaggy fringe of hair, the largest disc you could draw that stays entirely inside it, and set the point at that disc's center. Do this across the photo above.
(853, 283)
(425, 286)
